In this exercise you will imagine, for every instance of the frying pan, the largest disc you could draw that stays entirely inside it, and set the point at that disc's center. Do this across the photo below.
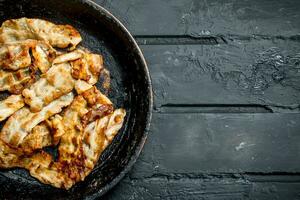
(130, 88)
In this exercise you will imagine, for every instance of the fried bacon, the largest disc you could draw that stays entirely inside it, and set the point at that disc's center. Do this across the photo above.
(81, 86)
(86, 66)
(9, 157)
(43, 55)
(16, 55)
(21, 123)
(82, 130)
(55, 83)
(39, 138)
(71, 124)
(61, 36)
(10, 105)
(66, 57)
(80, 145)
(42, 167)
(99, 134)
(78, 160)
(97, 113)
(95, 98)
(15, 81)
(60, 78)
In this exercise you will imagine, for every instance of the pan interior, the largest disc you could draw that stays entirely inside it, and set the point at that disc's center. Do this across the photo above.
(130, 89)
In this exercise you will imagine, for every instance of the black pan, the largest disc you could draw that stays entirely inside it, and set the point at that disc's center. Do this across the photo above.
(130, 88)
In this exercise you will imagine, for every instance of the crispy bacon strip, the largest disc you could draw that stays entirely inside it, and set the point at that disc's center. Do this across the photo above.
(21, 123)
(71, 124)
(61, 36)
(9, 157)
(80, 145)
(80, 159)
(16, 55)
(10, 105)
(83, 130)
(55, 83)
(16, 157)
(88, 67)
(60, 78)
(42, 167)
(71, 56)
(39, 138)
(85, 65)
(95, 98)
(114, 124)
(98, 135)
(43, 55)
(81, 86)
(77, 116)
(14, 81)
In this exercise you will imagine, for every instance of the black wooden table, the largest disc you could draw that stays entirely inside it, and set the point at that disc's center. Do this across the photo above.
(226, 118)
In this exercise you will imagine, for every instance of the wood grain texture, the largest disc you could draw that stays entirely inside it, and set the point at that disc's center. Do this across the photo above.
(216, 188)
(217, 156)
(221, 143)
(227, 99)
(255, 71)
(203, 17)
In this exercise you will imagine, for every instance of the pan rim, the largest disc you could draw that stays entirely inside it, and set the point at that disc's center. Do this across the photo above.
(141, 143)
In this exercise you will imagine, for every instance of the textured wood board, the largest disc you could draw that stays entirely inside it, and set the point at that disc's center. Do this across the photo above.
(226, 85)
(221, 143)
(254, 71)
(215, 188)
(203, 17)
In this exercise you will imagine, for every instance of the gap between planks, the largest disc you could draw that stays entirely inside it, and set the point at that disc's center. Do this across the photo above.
(224, 108)
(205, 39)
(279, 177)
(177, 40)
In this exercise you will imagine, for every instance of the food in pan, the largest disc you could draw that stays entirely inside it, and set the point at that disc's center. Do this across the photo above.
(20, 124)
(15, 81)
(60, 78)
(56, 82)
(53, 102)
(61, 36)
(10, 105)
(22, 54)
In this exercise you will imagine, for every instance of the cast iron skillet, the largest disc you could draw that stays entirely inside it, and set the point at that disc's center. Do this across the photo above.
(130, 88)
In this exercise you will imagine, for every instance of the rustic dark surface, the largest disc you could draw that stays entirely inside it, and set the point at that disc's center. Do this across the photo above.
(226, 118)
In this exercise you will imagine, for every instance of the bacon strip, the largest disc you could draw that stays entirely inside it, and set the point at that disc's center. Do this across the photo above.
(81, 158)
(16, 55)
(61, 36)
(80, 145)
(10, 105)
(83, 130)
(60, 78)
(86, 66)
(21, 123)
(55, 83)
(14, 81)
(39, 138)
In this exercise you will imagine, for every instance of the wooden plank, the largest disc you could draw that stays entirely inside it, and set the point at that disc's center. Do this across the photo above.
(221, 143)
(202, 17)
(185, 188)
(258, 71)
(215, 188)
(265, 191)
